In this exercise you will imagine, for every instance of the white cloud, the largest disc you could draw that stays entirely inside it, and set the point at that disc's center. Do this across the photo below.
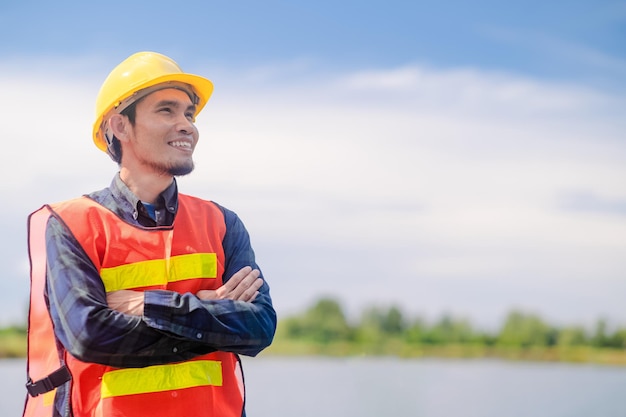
(474, 91)
(435, 189)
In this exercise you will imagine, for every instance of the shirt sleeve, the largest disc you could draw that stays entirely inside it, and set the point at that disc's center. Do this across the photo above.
(85, 325)
(234, 326)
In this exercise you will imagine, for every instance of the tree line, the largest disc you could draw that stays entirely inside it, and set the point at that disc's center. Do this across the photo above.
(325, 322)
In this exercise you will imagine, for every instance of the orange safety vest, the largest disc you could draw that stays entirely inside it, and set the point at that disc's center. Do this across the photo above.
(186, 257)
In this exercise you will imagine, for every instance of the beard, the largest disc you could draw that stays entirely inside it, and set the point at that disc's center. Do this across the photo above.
(175, 170)
(182, 169)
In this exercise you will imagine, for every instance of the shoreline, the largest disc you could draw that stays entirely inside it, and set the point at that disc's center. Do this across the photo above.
(14, 347)
(578, 354)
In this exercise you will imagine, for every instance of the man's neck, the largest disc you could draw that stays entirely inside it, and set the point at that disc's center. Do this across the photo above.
(146, 187)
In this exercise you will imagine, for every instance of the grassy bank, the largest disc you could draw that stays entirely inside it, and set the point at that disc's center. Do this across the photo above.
(13, 345)
(12, 342)
(581, 354)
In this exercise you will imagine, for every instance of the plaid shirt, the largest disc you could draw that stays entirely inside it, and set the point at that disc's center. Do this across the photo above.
(174, 326)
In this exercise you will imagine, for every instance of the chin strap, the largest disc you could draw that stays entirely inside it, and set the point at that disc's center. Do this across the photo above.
(52, 381)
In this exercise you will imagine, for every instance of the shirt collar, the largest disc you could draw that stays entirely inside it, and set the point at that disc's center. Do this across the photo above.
(168, 198)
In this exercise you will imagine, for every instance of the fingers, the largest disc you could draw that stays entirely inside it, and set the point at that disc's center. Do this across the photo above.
(234, 281)
(207, 295)
(247, 286)
(244, 285)
(252, 291)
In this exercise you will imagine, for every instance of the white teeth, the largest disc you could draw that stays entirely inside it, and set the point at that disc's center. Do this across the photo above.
(181, 144)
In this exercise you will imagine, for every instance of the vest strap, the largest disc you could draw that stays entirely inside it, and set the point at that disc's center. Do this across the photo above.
(52, 381)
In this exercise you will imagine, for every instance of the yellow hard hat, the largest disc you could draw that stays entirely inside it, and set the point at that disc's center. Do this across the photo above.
(137, 76)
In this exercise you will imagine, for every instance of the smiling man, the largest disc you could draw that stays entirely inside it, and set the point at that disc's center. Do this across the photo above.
(142, 298)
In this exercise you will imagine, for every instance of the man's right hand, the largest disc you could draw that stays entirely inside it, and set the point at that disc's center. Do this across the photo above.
(243, 286)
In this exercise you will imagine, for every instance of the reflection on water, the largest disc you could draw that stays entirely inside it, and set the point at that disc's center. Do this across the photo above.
(374, 387)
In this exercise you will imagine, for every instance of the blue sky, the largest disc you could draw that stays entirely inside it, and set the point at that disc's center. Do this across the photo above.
(562, 40)
(443, 156)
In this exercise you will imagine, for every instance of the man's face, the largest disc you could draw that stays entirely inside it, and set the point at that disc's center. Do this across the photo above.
(164, 137)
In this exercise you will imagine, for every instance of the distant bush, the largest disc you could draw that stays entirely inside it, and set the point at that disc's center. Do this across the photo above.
(13, 342)
(325, 322)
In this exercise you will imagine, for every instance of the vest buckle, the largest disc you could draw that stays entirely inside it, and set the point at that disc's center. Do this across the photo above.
(52, 381)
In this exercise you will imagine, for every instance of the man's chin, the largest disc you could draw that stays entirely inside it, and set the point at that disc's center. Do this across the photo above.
(179, 171)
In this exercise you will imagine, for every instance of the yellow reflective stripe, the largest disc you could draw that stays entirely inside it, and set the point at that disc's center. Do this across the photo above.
(139, 274)
(193, 265)
(156, 272)
(48, 397)
(158, 378)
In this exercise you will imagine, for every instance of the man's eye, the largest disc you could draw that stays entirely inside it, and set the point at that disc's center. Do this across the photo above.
(190, 116)
(166, 109)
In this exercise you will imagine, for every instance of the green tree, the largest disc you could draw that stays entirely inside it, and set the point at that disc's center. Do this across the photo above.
(525, 330)
(378, 324)
(571, 336)
(390, 321)
(449, 330)
(324, 322)
(416, 331)
(617, 340)
(599, 337)
(393, 321)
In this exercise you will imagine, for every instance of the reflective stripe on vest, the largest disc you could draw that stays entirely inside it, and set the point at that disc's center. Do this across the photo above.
(159, 378)
(157, 272)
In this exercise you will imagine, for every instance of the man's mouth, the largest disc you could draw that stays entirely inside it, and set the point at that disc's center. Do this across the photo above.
(181, 144)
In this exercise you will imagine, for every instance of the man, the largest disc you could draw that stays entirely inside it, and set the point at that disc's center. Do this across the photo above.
(142, 298)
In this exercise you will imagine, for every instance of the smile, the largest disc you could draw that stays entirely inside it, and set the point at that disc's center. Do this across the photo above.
(181, 144)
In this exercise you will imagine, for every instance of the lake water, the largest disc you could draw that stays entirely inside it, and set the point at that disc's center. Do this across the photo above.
(388, 387)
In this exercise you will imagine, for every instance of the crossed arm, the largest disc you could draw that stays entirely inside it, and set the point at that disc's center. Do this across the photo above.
(131, 329)
(243, 286)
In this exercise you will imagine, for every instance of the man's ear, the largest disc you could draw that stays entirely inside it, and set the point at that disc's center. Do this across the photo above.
(119, 125)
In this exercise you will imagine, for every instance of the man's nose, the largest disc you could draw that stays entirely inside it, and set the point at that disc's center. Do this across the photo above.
(184, 124)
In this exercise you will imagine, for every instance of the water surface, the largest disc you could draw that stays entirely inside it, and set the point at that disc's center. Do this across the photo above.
(375, 387)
